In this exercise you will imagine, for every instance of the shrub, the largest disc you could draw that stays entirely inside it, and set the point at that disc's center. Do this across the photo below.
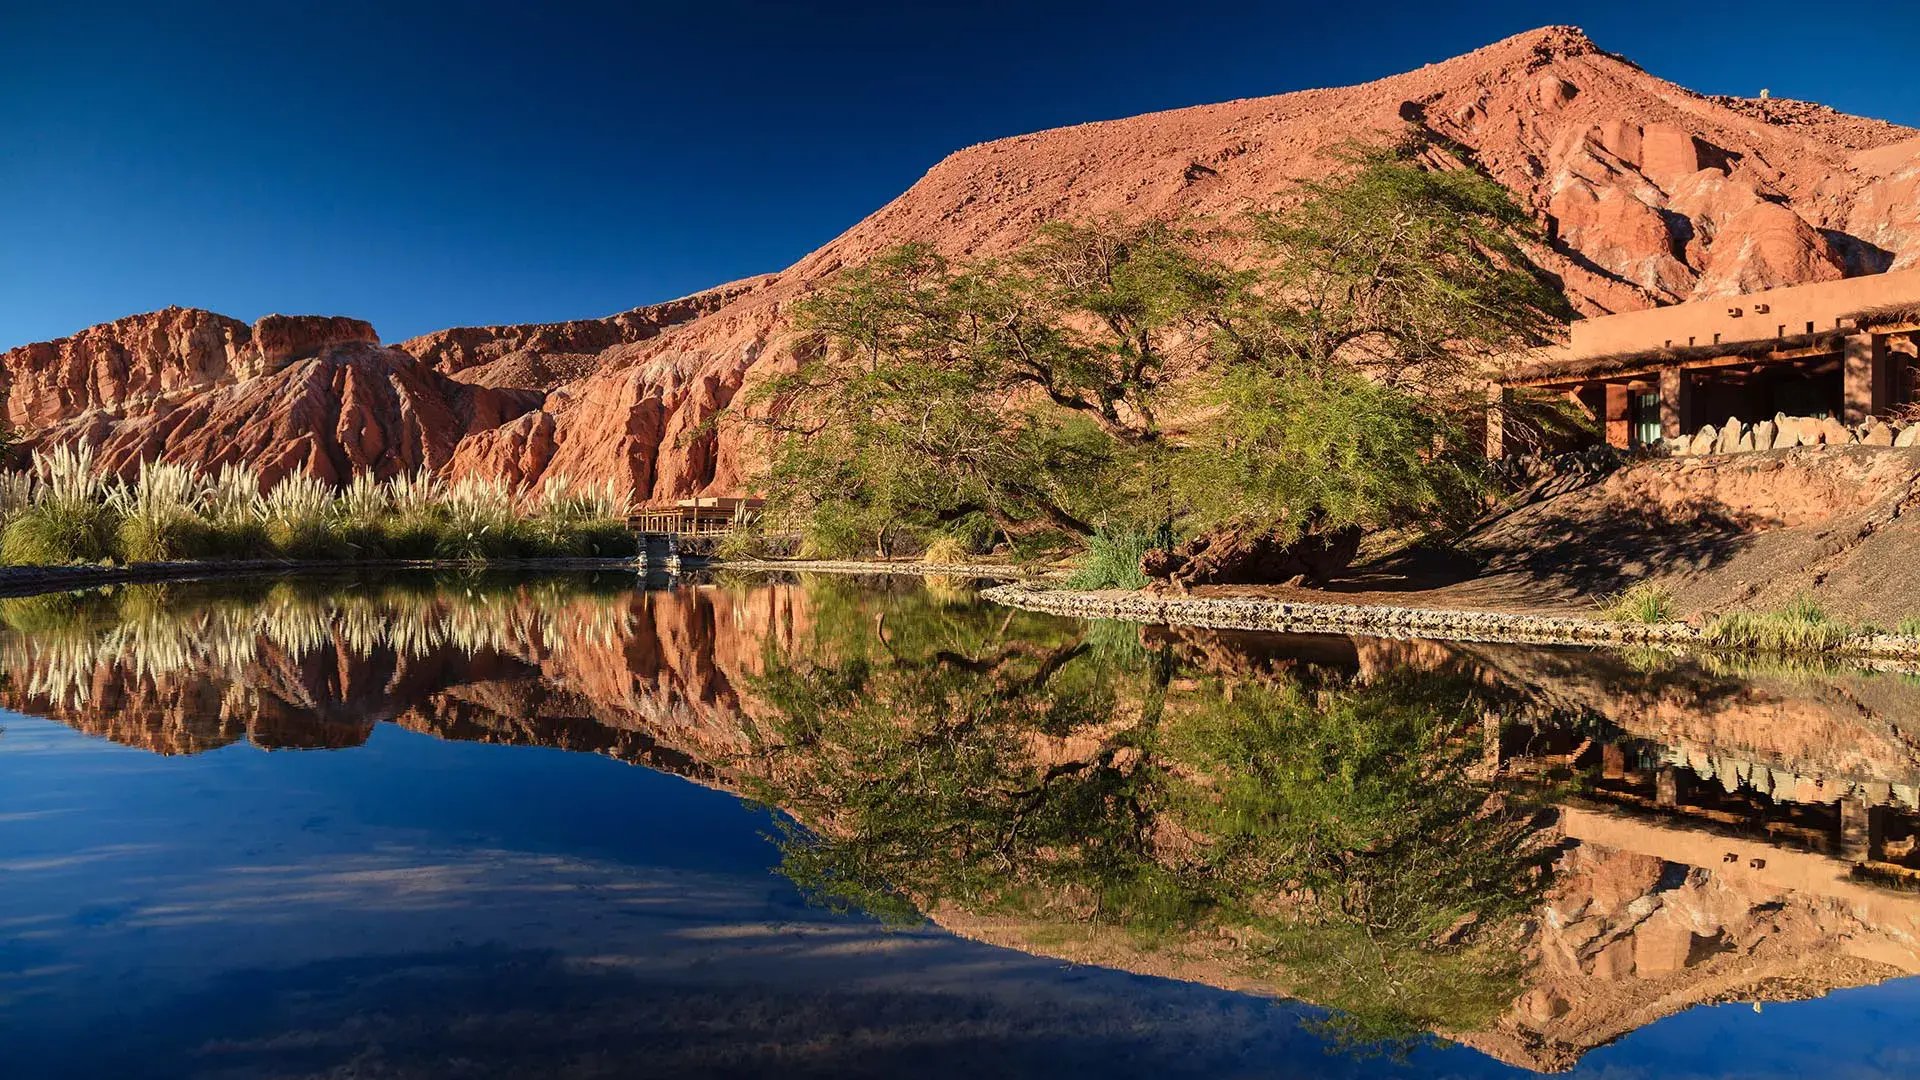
(243, 538)
(362, 502)
(1646, 602)
(52, 534)
(1908, 627)
(606, 538)
(413, 494)
(475, 539)
(160, 513)
(298, 512)
(233, 496)
(16, 494)
(1112, 560)
(562, 500)
(411, 536)
(744, 544)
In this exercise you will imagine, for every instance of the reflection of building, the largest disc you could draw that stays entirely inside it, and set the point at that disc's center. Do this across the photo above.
(1856, 826)
(1837, 349)
(1698, 875)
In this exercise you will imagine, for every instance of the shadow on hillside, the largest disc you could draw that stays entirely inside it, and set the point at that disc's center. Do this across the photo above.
(1541, 552)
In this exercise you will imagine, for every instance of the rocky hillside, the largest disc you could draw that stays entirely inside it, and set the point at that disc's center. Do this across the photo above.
(1650, 194)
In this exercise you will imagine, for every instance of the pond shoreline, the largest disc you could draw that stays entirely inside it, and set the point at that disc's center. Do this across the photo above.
(1378, 620)
(994, 571)
(1025, 590)
(29, 580)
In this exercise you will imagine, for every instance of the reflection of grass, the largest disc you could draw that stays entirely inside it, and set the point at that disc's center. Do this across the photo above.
(41, 613)
(947, 591)
(1796, 668)
(1116, 642)
(65, 639)
(1649, 660)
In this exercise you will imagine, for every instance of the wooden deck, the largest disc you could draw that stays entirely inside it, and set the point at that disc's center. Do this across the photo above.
(711, 518)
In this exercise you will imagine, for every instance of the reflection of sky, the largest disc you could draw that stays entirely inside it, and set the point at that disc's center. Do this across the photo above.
(538, 911)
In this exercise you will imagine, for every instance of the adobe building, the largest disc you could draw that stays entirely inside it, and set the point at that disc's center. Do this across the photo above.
(1834, 353)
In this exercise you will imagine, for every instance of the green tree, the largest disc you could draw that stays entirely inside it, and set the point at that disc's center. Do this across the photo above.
(1355, 384)
(1116, 377)
(1023, 394)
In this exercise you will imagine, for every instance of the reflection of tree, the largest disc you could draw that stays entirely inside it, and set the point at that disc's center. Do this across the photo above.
(1331, 829)
(959, 756)
(1403, 874)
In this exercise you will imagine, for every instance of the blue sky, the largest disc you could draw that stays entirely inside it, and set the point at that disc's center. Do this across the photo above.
(424, 165)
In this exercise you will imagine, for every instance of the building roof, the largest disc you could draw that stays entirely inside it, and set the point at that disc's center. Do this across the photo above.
(1782, 323)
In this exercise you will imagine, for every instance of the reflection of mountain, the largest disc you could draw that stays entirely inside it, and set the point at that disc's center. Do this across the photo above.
(1727, 837)
(621, 671)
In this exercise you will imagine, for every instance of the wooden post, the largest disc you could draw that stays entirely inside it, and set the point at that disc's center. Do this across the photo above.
(1865, 377)
(1498, 398)
(1619, 421)
(1862, 829)
(1676, 403)
(1667, 786)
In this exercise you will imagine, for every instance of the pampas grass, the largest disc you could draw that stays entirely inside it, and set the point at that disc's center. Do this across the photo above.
(63, 510)
(67, 518)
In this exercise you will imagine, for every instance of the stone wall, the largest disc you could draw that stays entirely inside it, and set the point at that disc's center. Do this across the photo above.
(1735, 436)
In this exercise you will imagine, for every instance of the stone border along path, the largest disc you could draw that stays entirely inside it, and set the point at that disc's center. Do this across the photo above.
(995, 571)
(28, 580)
(1291, 616)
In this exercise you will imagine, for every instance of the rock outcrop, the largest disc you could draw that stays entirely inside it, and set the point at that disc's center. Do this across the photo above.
(545, 355)
(350, 408)
(142, 360)
(1648, 192)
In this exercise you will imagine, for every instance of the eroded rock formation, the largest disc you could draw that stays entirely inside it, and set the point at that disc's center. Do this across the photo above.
(348, 409)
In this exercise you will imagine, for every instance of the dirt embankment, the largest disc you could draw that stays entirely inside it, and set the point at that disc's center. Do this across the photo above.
(1737, 531)
(1743, 531)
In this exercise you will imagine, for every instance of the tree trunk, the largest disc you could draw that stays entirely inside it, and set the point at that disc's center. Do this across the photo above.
(1243, 556)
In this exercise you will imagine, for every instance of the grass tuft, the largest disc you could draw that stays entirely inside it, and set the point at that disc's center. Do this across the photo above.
(1801, 626)
(1112, 561)
(1646, 602)
(948, 550)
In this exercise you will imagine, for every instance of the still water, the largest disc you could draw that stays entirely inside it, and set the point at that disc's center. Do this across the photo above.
(574, 825)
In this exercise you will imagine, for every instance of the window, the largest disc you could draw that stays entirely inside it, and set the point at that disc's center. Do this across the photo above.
(1646, 418)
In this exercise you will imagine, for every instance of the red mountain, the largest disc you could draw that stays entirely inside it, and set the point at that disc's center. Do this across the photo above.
(1650, 194)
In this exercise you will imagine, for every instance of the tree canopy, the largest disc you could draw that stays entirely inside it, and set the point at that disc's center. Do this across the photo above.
(1128, 377)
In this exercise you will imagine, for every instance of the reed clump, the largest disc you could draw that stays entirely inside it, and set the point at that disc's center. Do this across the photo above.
(1645, 603)
(1801, 626)
(62, 509)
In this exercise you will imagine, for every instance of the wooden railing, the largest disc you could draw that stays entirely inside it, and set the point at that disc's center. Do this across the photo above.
(701, 521)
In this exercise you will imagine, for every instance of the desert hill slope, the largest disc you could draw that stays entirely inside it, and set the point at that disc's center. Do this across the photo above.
(1650, 194)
